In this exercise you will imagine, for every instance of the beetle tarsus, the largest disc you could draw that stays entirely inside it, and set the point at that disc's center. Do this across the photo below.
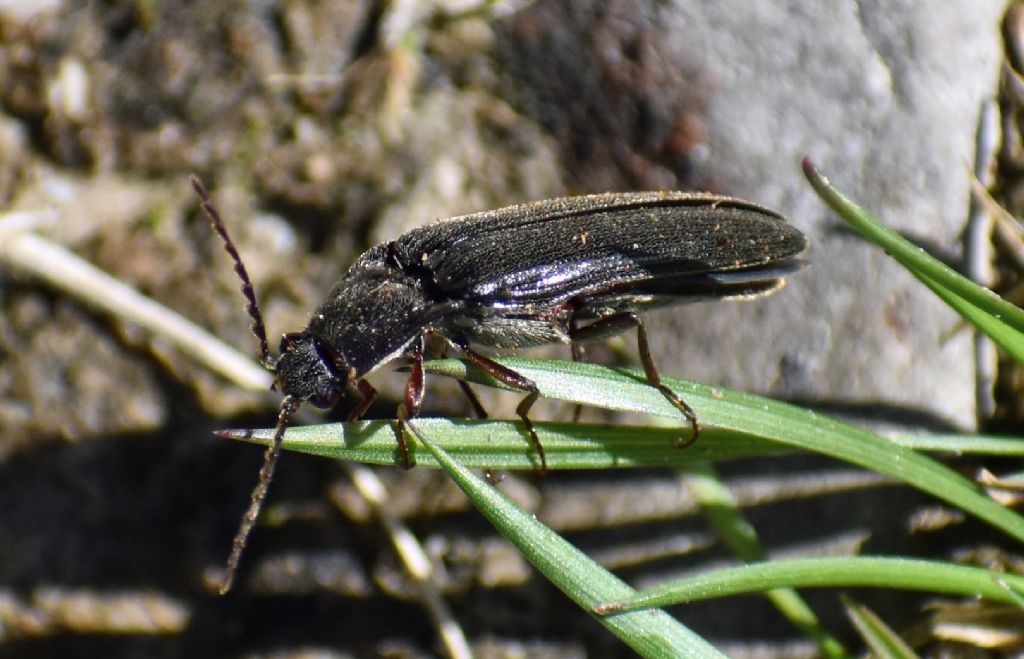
(523, 410)
(403, 453)
(603, 328)
(410, 407)
(654, 378)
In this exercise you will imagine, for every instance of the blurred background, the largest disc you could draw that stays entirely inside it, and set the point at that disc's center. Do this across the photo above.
(322, 128)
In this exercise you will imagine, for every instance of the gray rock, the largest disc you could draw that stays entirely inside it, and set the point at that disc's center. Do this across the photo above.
(884, 97)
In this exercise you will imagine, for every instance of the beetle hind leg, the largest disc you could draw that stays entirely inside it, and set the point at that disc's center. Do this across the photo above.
(620, 322)
(518, 381)
(655, 379)
(578, 352)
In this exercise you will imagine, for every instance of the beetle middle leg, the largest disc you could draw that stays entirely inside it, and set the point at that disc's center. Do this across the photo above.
(518, 381)
(367, 394)
(436, 346)
(620, 322)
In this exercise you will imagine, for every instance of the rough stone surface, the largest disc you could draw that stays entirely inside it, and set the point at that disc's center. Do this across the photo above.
(884, 97)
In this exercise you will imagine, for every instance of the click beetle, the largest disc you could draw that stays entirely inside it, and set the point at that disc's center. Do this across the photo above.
(567, 270)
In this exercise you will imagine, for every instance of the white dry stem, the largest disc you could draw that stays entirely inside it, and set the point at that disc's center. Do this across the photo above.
(415, 559)
(35, 255)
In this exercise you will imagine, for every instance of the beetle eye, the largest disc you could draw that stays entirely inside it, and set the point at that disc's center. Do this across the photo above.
(288, 341)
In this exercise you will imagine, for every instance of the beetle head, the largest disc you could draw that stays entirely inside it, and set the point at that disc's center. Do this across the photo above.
(310, 370)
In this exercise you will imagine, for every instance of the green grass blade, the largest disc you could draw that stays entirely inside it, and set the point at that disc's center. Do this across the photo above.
(746, 415)
(503, 444)
(722, 510)
(1005, 335)
(652, 634)
(851, 571)
(879, 637)
(963, 444)
(756, 416)
(999, 319)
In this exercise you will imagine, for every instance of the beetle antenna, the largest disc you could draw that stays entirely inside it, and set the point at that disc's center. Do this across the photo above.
(253, 307)
(289, 405)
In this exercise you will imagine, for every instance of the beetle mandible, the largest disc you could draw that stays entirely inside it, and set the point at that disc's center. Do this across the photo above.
(566, 270)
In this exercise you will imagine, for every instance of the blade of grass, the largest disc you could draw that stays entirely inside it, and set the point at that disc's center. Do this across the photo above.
(835, 572)
(1000, 319)
(883, 641)
(1015, 592)
(724, 409)
(963, 444)
(503, 444)
(722, 510)
(652, 634)
(1005, 335)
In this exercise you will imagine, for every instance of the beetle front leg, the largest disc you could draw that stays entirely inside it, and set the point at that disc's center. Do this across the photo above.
(413, 402)
(518, 381)
(620, 322)
(367, 394)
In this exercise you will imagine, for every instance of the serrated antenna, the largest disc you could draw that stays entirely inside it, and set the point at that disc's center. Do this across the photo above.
(252, 308)
(289, 405)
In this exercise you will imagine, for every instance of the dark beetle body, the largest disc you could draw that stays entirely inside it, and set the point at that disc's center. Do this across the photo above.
(564, 270)
(521, 276)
